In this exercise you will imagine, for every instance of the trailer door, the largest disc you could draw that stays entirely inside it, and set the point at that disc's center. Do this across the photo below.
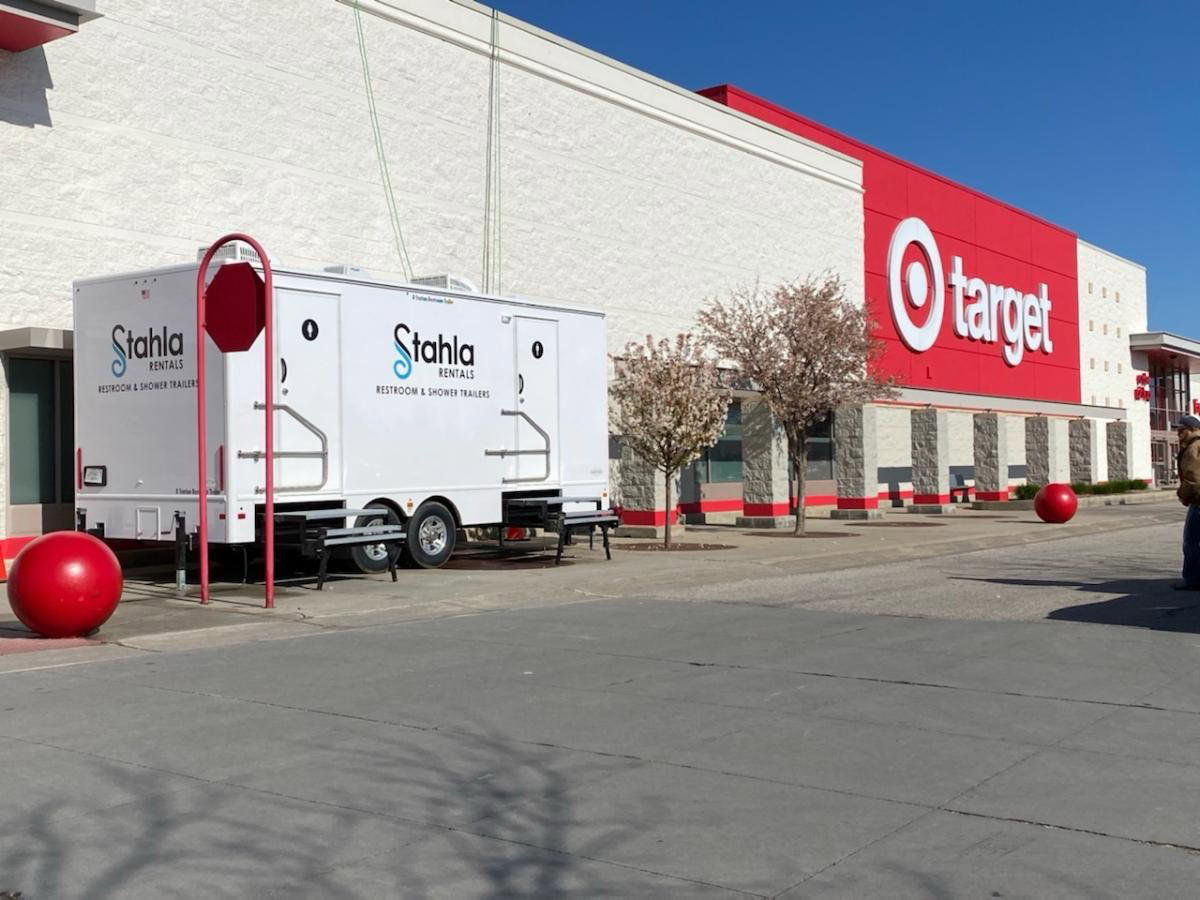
(308, 391)
(537, 397)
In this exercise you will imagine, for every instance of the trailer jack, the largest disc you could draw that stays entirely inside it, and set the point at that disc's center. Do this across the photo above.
(181, 548)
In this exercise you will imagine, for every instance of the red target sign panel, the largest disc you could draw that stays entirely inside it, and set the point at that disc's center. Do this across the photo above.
(968, 294)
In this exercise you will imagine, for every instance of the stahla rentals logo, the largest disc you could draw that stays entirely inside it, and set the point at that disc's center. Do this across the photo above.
(439, 358)
(162, 349)
(453, 357)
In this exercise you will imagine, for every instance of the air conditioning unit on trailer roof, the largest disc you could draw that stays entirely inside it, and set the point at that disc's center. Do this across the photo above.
(447, 282)
(235, 251)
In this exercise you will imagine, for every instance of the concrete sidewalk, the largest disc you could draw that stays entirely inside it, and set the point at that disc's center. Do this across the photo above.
(152, 618)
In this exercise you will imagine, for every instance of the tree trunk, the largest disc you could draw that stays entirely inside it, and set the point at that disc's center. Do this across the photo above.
(667, 519)
(801, 467)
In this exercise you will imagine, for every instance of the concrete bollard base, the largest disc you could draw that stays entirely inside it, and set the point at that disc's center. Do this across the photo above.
(766, 522)
(855, 514)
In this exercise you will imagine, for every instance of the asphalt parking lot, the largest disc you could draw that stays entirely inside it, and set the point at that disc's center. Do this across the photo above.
(1019, 720)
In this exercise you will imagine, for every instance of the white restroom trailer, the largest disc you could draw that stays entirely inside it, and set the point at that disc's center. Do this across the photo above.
(429, 407)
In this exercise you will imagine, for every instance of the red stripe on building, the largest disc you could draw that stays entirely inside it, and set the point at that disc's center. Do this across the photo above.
(652, 517)
(857, 502)
(768, 509)
(725, 504)
(10, 547)
(930, 499)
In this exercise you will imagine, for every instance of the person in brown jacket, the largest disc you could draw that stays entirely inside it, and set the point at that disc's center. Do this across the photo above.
(1188, 492)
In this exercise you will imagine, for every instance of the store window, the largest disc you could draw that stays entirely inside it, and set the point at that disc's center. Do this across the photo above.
(820, 452)
(1170, 393)
(41, 434)
(723, 460)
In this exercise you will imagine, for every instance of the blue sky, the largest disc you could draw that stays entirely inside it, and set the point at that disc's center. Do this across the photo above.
(1086, 114)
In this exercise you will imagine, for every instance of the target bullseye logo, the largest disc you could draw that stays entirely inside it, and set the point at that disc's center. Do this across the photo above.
(997, 313)
(914, 291)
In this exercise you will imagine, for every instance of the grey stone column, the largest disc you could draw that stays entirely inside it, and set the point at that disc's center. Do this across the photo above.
(642, 497)
(991, 457)
(930, 461)
(1046, 450)
(1119, 440)
(1084, 449)
(766, 492)
(856, 462)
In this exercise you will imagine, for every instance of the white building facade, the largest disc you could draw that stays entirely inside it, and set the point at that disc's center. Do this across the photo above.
(146, 130)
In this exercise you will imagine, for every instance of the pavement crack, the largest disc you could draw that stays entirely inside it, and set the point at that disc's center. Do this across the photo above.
(874, 679)
(1147, 842)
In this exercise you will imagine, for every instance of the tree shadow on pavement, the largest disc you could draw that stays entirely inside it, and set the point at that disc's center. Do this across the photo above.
(166, 835)
(503, 813)
(405, 813)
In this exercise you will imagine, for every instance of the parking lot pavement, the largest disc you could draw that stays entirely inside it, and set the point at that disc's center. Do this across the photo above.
(850, 738)
(761, 567)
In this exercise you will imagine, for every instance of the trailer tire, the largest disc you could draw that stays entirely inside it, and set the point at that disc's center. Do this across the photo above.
(431, 534)
(373, 558)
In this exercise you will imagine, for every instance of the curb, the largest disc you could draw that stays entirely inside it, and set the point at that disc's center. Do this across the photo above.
(1086, 501)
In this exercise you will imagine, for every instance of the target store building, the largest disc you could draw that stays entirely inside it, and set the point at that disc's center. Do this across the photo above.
(1020, 349)
(135, 132)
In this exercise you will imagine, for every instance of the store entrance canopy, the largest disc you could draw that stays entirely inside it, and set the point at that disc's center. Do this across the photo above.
(1183, 351)
(37, 341)
(31, 23)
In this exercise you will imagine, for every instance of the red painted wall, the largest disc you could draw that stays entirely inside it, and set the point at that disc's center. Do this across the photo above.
(998, 243)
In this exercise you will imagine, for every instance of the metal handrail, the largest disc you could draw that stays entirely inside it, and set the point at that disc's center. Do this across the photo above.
(322, 454)
(545, 452)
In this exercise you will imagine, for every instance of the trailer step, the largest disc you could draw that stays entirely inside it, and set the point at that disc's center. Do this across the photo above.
(316, 532)
(314, 515)
(548, 513)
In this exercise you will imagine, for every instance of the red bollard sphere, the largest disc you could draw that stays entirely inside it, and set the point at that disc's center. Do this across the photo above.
(1055, 503)
(64, 584)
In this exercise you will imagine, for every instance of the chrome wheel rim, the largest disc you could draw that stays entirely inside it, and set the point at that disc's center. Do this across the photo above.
(432, 536)
(375, 552)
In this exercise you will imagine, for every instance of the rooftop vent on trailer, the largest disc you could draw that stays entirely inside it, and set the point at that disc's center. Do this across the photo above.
(347, 269)
(235, 251)
(447, 282)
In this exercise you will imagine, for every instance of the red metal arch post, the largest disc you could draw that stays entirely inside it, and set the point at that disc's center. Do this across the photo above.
(268, 403)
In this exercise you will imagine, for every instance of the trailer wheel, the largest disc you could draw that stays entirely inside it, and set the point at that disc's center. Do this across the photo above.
(431, 533)
(372, 558)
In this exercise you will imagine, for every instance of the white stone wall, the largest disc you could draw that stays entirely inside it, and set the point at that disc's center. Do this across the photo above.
(1016, 444)
(894, 432)
(961, 428)
(163, 125)
(171, 123)
(1139, 417)
(1113, 305)
(894, 424)
(1100, 436)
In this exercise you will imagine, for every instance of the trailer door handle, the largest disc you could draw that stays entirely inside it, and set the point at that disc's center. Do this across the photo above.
(283, 370)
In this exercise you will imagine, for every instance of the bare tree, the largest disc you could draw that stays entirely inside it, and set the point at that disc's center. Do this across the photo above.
(807, 348)
(669, 404)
